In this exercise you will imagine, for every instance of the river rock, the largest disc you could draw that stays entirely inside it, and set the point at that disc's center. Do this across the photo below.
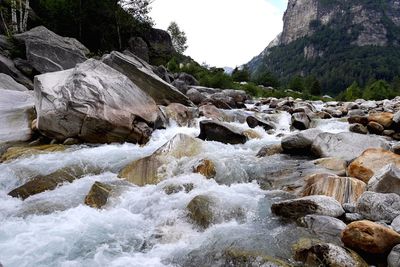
(200, 210)
(8, 83)
(375, 128)
(254, 122)
(357, 119)
(326, 254)
(393, 259)
(386, 180)
(16, 152)
(346, 146)
(7, 67)
(48, 52)
(300, 143)
(396, 224)
(343, 189)
(300, 207)
(370, 162)
(300, 121)
(358, 128)
(270, 150)
(98, 195)
(383, 118)
(379, 207)
(142, 75)
(221, 132)
(206, 168)
(334, 165)
(324, 225)
(195, 96)
(16, 113)
(370, 237)
(184, 116)
(147, 170)
(239, 257)
(94, 103)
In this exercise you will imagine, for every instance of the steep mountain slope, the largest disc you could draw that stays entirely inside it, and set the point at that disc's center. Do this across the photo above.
(339, 41)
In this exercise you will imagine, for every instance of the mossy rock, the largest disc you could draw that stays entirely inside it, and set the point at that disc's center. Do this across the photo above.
(13, 153)
(237, 257)
(200, 210)
(98, 195)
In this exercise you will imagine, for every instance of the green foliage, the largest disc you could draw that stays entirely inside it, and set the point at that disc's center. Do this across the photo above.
(266, 79)
(178, 37)
(297, 83)
(241, 75)
(378, 90)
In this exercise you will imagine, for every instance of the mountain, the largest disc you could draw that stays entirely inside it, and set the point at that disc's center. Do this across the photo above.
(337, 41)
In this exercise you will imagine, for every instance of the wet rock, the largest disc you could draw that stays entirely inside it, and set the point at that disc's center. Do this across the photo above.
(396, 224)
(71, 141)
(195, 96)
(363, 120)
(270, 150)
(254, 122)
(370, 237)
(48, 52)
(393, 259)
(335, 165)
(370, 162)
(346, 146)
(386, 180)
(112, 109)
(324, 225)
(184, 116)
(343, 189)
(147, 170)
(353, 217)
(175, 188)
(13, 153)
(98, 195)
(396, 117)
(379, 207)
(368, 105)
(396, 149)
(358, 128)
(300, 207)
(221, 132)
(357, 112)
(251, 134)
(300, 121)
(326, 254)
(375, 128)
(383, 118)
(142, 75)
(206, 168)
(214, 113)
(200, 211)
(300, 143)
(238, 257)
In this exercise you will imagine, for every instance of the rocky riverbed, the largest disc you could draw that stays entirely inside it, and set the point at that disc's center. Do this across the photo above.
(115, 162)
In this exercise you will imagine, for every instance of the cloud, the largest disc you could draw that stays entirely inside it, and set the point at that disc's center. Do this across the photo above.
(222, 32)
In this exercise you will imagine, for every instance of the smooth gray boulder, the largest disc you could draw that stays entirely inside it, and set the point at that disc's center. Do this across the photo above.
(49, 52)
(221, 132)
(16, 114)
(379, 207)
(300, 143)
(300, 207)
(386, 180)
(141, 74)
(396, 224)
(393, 259)
(300, 121)
(8, 83)
(7, 67)
(94, 103)
(346, 146)
(324, 225)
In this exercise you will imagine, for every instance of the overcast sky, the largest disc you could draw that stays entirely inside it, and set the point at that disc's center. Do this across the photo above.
(222, 32)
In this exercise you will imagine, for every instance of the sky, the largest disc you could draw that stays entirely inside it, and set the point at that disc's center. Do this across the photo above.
(222, 33)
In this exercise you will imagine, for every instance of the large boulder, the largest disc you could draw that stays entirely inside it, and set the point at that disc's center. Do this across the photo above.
(346, 146)
(387, 180)
(379, 207)
(300, 143)
(383, 118)
(324, 225)
(16, 114)
(7, 66)
(147, 170)
(221, 132)
(300, 121)
(370, 162)
(332, 165)
(184, 116)
(141, 74)
(161, 49)
(343, 189)
(16, 152)
(95, 103)
(393, 259)
(370, 237)
(139, 47)
(300, 207)
(48, 52)
(8, 83)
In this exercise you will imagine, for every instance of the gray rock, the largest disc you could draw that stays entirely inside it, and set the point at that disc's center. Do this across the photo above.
(181, 86)
(7, 67)
(188, 79)
(396, 149)
(48, 52)
(387, 180)
(94, 103)
(324, 225)
(16, 114)
(24, 66)
(393, 259)
(396, 117)
(346, 146)
(8, 83)
(353, 217)
(221, 132)
(358, 128)
(349, 207)
(254, 122)
(139, 47)
(141, 74)
(161, 49)
(300, 207)
(162, 72)
(195, 96)
(300, 143)
(356, 112)
(300, 121)
(396, 224)
(379, 207)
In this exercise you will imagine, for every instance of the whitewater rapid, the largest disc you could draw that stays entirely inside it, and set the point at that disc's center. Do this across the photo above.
(141, 226)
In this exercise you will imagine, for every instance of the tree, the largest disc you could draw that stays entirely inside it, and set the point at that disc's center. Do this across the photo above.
(297, 83)
(266, 79)
(353, 92)
(178, 37)
(240, 75)
(378, 90)
(19, 15)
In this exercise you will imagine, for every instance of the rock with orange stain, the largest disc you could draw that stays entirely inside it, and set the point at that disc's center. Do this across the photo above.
(206, 167)
(383, 118)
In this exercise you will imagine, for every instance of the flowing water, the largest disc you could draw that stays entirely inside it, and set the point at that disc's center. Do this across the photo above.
(143, 226)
